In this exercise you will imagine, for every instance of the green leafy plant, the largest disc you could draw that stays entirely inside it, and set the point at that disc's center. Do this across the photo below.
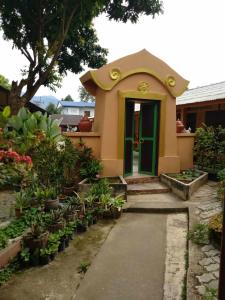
(25, 255)
(22, 200)
(199, 234)
(26, 130)
(91, 169)
(210, 294)
(83, 267)
(4, 115)
(221, 186)
(209, 148)
(69, 161)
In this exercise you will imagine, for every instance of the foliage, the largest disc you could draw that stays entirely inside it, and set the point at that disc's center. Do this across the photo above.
(70, 158)
(26, 130)
(56, 37)
(52, 245)
(53, 109)
(91, 169)
(22, 200)
(209, 147)
(4, 82)
(7, 272)
(99, 188)
(16, 227)
(14, 168)
(48, 163)
(221, 185)
(199, 234)
(84, 95)
(4, 115)
(210, 294)
(25, 255)
(83, 267)
(186, 175)
(67, 98)
(216, 223)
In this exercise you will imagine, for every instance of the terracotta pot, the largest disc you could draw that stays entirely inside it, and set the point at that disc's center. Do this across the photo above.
(68, 191)
(85, 124)
(180, 126)
(18, 213)
(33, 243)
(51, 204)
(55, 227)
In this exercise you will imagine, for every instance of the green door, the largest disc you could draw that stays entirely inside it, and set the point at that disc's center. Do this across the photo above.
(129, 138)
(148, 138)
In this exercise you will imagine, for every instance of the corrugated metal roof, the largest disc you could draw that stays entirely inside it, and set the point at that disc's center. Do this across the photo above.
(67, 119)
(210, 92)
(77, 104)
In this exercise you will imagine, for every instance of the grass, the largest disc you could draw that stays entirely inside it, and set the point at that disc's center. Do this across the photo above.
(199, 234)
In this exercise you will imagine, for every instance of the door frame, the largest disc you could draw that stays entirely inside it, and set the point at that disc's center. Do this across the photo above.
(154, 139)
(137, 95)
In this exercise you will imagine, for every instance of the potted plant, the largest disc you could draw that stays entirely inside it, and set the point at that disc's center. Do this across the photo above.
(91, 170)
(22, 203)
(51, 200)
(70, 213)
(57, 221)
(49, 252)
(37, 238)
(116, 205)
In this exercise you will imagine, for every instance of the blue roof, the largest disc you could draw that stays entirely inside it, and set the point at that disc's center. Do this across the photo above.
(77, 104)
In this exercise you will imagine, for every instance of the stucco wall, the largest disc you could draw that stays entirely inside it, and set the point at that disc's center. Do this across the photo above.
(185, 143)
(91, 139)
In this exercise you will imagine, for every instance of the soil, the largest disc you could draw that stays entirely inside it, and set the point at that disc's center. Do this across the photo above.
(59, 279)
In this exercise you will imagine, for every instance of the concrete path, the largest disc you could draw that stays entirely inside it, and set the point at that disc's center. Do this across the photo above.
(131, 262)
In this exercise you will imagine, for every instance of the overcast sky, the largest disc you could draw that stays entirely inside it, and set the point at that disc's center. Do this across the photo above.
(189, 37)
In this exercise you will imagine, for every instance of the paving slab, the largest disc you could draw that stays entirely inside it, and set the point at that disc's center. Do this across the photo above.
(131, 262)
(147, 188)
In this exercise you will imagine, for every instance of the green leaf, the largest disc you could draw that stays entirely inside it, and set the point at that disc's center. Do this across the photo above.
(23, 114)
(15, 122)
(6, 112)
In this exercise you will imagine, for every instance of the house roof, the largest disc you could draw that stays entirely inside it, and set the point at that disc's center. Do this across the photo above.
(77, 104)
(111, 74)
(209, 92)
(67, 119)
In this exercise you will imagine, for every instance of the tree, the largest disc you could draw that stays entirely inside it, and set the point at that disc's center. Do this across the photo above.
(59, 36)
(84, 95)
(67, 98)
(52, 109)
(4, 82)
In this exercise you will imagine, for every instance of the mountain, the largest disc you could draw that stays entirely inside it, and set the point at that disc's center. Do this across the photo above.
(44, 101)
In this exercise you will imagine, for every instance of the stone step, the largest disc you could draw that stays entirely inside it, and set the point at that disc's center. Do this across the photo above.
(155, 203)
(147, 188)
(141, 179)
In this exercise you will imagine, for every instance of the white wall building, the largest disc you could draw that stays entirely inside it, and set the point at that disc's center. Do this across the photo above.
(77, 108)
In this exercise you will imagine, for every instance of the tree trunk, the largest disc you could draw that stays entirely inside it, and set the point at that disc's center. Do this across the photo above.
(14, 100)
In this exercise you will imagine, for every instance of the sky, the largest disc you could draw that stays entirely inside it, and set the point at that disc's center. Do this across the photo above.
(189, 37)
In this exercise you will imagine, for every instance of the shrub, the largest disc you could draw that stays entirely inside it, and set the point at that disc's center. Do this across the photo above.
(199, 234)
(209, 147)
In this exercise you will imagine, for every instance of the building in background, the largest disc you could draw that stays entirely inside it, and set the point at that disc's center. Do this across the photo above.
(205, 104)
(77, 108)
(67, 122)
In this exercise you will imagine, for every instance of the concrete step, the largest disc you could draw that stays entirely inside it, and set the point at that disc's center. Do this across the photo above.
(155, 203)
(147, 188)
(141, 179)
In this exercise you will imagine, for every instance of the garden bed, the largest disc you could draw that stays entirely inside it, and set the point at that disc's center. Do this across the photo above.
(118, 185)
(184, 188)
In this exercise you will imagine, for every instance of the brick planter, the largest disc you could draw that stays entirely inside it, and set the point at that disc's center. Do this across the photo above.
(181, 189)
(11, 251)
